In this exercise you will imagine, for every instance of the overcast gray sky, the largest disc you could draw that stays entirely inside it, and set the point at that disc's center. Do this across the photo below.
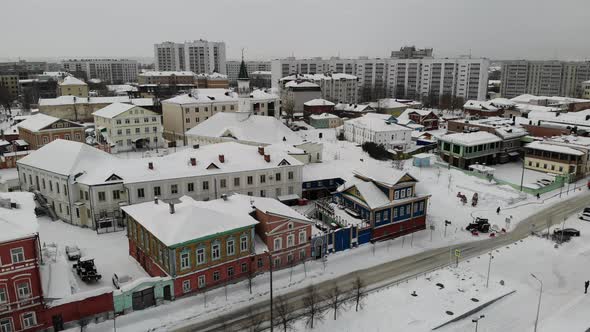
(497, 29)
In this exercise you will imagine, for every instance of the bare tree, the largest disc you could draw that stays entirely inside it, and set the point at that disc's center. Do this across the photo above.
(289, 108)
(358, 293)
(337, 301)
(313, 310)
(284, 314)
(254, 321)
(251, 276)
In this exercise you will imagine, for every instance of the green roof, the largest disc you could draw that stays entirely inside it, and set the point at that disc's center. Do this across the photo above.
(243, 71)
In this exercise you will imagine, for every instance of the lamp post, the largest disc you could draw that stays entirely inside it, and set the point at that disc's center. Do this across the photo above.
(476, 321)
(489, 267)
(539, 305)
(271, 306)
(522, 175)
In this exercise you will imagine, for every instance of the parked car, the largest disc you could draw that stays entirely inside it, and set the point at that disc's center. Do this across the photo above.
(546, 181)
(86, 269)
(73, 253)
(566, 232)
(585, 215)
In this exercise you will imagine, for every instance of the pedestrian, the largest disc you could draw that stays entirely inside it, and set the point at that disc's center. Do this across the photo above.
(498, 210)
(538, 196)
(586, 284)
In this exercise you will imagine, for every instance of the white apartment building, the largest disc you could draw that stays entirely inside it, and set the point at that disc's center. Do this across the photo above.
(398, 78)
(199, 56)
(544, 78)
(113, 71)
(335, 87)
(127, 127)
(379, 129)
(86, 186)
(233, 68)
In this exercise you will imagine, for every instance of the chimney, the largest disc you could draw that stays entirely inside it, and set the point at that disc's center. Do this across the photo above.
(150, 165)
(171, 208)
(267, 158)
(195, 146)
(194, 161)
(261, 150)
(224, 197)
(156, 200)
(221, 158)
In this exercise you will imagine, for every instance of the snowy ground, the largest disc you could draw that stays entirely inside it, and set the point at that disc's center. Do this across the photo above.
(564, 307)
(512, 172)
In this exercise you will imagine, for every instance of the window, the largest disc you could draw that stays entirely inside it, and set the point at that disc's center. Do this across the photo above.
(262, 193)
(278, 177)
(146, 129)
(222, 183)
(57, 187)
(128, 131)
(302, 254)
(231, 247)
(65, 190)
(29, 319)
(250, 193)
(278, 243)
(188, 120)
(3, 296)
(230, 272)
(155, 129)
(290, 175)
(244, 268)
(86, 195)
(262, 178)
(201, 281)
(18, 255)
(277, 192)
(215, 251)
(137, 130)
(23, 290)
(290, 190)
(140, 193)
(396, 195)
(127, 121)
(102, 196)
(146, 119)
(6, 325)
(236, 182)
(136, 120)
(277, 262)
(50, 185)
(185, 260)
(201, 256)
(205, 185)
(409, 192)
(186, 286)
(385, 214)
(290, 240)
(402, 193)
(216, 276)
(174, 189)
(157, 191)
(260, 263)
(118, 121)
(250, 180)
(290, 258)
(244, 243)
(302, 237)
(190, 187)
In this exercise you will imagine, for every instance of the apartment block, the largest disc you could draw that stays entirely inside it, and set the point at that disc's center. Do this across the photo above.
(114, 71)
(199, 56)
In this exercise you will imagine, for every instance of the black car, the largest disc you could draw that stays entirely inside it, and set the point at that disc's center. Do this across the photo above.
(566, 232)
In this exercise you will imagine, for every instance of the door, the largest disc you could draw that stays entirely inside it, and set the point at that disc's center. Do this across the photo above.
(58, 323)
(167, 293)
(143, 299)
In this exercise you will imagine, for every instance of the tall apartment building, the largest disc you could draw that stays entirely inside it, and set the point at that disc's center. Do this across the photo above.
(543, 78)
(199, 56)
(335, 87)
(411, 52)
(233, 68)
(398, 78)
(24, 69)
(114, 71)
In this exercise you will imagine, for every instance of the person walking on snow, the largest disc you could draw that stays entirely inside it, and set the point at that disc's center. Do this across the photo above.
(586, 284)
(538, 196)
(498, 210)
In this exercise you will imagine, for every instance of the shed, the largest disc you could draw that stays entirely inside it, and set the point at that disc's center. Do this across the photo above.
(422, 159)
(143, 293)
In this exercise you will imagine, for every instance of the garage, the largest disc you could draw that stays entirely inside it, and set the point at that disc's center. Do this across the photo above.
(144, 298)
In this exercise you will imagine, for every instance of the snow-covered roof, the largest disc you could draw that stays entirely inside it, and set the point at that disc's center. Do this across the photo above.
(376, 122)
(381, 174)
(388, 103)
(353, 108)
(213, 76)
(203, 96)
(19, 222)
(318, 102)
(239, 204)
(244, 126)
(537, 145)
(190, 221)
(478, 105)
(304, 84)
(166, 73)
(71, 100)
(38, 121)
(260, 95)
(91, 166)
(471, 139)
(372, 195)
(261, 72)
(502, 126)
(113, 110)
(570, 118)
(319, 77)
(323, 116)
(120, 88)
(549, 101)
(71, 80)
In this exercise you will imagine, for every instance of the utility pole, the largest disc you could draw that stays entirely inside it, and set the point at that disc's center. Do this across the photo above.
(447, 223)
(476, 321)
(538, 305)
(489, 267)
(271, 306)
(522, 175)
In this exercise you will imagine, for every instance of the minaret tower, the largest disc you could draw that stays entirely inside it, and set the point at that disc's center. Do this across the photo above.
(244, 87)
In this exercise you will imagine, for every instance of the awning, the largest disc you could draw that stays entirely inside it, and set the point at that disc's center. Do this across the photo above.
(288, 197)
(513, 154)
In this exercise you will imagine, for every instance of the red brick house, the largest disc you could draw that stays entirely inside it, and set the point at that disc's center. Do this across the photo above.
(427, 118)
(317, 106)
(40, 129)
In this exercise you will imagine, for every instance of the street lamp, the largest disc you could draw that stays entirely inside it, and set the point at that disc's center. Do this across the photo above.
(489, 267)
(539, 305)
(476, 321)
(271, 306)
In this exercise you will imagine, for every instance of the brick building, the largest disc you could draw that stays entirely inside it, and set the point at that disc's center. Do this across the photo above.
(40, 129)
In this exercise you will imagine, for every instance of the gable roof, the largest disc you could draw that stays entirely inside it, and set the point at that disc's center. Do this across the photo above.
(39, 121)
(319, 102)
(113, 110)
(20, 222)
(372, 195)
(245, 126)
(387, 176)
(242, 205)
(71, 80)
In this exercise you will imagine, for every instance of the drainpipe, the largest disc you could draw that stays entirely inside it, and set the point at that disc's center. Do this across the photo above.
(70, 200)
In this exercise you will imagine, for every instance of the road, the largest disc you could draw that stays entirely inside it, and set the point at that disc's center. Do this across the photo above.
(392, 272)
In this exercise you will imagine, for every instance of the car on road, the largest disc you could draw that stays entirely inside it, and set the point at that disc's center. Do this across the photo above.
(73, 253)
(566, 232)
(585, 215)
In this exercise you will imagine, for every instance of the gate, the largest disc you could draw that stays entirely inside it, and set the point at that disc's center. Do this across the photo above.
(143, 299)
(342, 239)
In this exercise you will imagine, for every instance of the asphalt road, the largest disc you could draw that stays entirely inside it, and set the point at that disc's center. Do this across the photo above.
(389, 273)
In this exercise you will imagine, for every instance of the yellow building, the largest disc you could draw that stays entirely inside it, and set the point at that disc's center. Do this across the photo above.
(72, 86)
(10, 82)
(557, 158)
